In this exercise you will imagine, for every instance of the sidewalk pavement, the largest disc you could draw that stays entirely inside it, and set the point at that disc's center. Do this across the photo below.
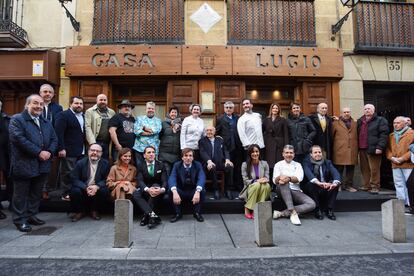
(221, 236)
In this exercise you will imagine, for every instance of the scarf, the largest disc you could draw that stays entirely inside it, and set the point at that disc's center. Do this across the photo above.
(316, 167)
(347, 122)
(399, 133)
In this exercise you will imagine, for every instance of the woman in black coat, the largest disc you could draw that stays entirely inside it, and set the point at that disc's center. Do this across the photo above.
(275, 135)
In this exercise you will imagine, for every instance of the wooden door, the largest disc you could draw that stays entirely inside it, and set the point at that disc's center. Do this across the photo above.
(233, 91)
(182, 93)
(89, 89)
(315, 93)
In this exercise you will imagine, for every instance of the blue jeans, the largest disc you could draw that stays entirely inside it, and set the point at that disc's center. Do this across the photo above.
(400, 177)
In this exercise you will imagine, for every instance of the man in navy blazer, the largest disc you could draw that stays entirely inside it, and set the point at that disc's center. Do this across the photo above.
(70, 130)
(215, 157)
(33, 143)
(89, 191)
(323, 182)
(186, 182)
(152, 184)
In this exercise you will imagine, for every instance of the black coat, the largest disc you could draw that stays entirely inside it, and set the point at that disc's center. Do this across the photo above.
(378, 131)
(220, 151)
(323, 139)
(71, 135)
(275, 136)
(4, 142)
(145, 180)
(53, 110)
(226, 131)
(301, 132)
(80, 174)
(27, 141)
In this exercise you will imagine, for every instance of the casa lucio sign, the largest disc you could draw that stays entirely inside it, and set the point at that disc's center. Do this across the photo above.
(164, 60)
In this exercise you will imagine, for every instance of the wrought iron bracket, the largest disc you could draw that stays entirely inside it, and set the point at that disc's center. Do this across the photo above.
(73, 21)
(338, 25)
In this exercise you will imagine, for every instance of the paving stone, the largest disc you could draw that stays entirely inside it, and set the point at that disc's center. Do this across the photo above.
(85, 253)
(28, 241)
(169, 254)
(242, 253)
(21, 252)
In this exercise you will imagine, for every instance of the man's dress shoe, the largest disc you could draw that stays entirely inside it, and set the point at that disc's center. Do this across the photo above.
(229, 195)
(33, 220)
(2, 215)
(144, 220)
(23, 227)
(216, 195)
(95, 215)
(77, 216)
(318, 214)
(198, 217)
(151, 222)
(330, 214)
(176, 218)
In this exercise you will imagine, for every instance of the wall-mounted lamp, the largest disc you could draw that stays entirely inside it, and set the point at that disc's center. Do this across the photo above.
(75, 24)
(350, 4)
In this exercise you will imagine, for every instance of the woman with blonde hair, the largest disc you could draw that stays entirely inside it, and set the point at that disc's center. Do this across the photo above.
(121, 179)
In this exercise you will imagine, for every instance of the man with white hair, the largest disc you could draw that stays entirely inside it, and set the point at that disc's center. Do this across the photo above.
(398, 152)
(97, 124)
(323, 126)
(372, 141)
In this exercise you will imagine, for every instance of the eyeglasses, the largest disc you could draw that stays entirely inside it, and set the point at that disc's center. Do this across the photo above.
(229, 107)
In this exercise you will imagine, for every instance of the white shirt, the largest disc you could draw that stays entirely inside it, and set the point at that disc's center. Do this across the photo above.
(289, 169)
(249, 127)
(191, 132)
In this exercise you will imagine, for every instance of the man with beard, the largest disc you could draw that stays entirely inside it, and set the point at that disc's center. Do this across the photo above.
(301, 132)
(146, 129)
(89, 191)
(33, 142)
(249, 126)
(121, 128)
(96, 124)
(70, 130)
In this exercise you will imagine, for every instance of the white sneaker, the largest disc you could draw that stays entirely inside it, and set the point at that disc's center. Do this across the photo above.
(294, 218)
(277, 214)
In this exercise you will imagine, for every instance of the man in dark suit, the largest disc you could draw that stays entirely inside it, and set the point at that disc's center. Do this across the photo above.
(33, 143)
(152, 181)
(323, 182)
(323, 125)
(186, 182)
(89, 191)
(215, 157)
(70, 130)
(226, 127)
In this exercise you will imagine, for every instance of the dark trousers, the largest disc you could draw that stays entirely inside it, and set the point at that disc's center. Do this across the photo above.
(26, 197)
(228, 177)
(81, 202)
(168, 167)
(146, 202)
(410, 189)
(139, 158)
(105, 148)
(66, 166)
(236, 156)
(324, 199)
(187, 195)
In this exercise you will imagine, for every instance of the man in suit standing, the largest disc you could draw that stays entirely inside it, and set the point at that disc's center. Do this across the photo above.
(152, 181)
(324, 181)
(70, 130)
(323, 126)
(186, 182)
(215, 157)
(89, 191)
(33, 143)
(226, 127)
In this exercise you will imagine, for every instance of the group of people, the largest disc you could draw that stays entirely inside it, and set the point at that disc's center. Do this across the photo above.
(154, 158)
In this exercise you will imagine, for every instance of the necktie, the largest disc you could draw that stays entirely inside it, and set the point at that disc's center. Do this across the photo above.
(151, 169)
(212, 149)
(323, 123)
(36, 120)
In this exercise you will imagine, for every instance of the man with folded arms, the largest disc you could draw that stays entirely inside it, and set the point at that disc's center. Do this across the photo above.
(152, 181)
(186, 182)
(287, 174)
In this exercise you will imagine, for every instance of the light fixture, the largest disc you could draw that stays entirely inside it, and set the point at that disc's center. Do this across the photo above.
(276, 95)
(347, 3)
(254, 94)
(75, 24)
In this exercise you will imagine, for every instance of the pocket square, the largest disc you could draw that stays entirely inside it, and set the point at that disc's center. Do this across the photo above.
(159, 171)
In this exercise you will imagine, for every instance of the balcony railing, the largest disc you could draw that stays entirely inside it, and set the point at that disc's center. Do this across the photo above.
(384, 27)
(138, 21)
(12, 35)
(271, 22)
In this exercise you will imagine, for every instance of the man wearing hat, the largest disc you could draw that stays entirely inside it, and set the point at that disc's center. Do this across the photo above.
(121, 128)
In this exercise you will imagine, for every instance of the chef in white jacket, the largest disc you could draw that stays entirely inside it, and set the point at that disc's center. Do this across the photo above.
(249, 126)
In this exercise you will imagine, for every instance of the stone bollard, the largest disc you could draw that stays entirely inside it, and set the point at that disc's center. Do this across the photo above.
(263, 226)
(393, 221)
(123, 220)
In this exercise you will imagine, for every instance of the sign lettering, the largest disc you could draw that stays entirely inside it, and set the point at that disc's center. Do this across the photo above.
(291, 61)
(127, 60)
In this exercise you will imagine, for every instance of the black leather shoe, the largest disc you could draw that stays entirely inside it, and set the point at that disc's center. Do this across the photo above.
(229, 195)
(2, 215)
(144, 220)
(23, 227)
(33, 220)
(330, 214)
(151, 222)
(318, 214)
(198, 217)
(176, 218)
(216, 195)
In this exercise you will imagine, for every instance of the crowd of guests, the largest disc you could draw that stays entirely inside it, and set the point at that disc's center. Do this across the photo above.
(305, 159)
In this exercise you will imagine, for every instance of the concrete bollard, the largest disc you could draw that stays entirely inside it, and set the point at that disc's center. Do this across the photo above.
(123, 220)
(393, 221)
(263, 227)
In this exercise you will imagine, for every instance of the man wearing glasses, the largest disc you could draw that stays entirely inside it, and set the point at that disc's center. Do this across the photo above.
(226, 127)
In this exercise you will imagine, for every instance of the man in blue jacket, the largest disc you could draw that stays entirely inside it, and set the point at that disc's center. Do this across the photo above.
(33, 143)
(187, 182)
(324, 181)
